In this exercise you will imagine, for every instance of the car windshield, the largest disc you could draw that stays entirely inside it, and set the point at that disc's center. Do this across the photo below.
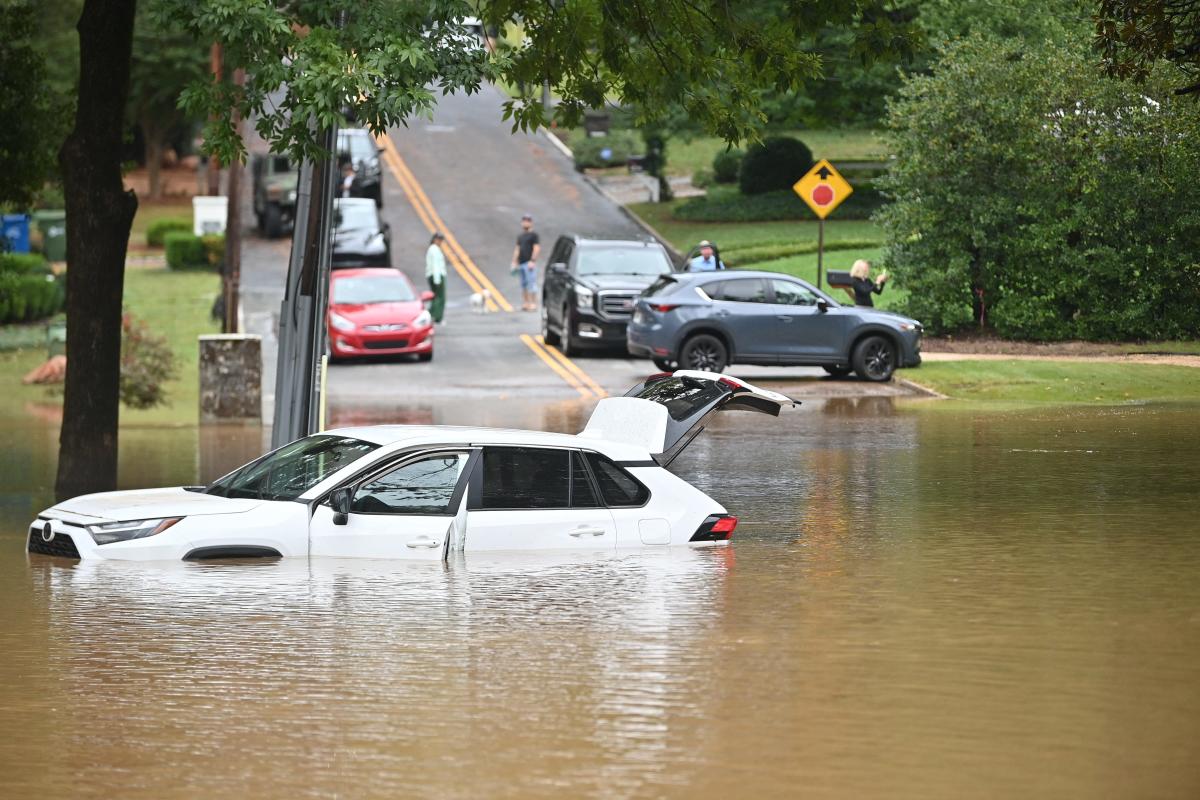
(356, 216)
(357, 146)
(623, 261)
(373, 289)
(291, 470)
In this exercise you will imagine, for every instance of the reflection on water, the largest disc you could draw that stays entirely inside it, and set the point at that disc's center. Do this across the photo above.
(921, 602)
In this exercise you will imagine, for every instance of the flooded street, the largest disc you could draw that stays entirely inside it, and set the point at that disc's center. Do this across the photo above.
(921, 601)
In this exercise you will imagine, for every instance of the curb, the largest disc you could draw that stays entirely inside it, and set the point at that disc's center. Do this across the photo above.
(920, 388)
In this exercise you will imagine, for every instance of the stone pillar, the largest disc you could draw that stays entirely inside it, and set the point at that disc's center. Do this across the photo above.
(230, 377)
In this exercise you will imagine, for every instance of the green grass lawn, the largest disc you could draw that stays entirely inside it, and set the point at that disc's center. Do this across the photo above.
(173, 304)
(1058, 382)
(737, 235)
(685, 157)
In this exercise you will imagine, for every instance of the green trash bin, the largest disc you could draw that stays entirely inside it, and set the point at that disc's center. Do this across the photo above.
(53, 225)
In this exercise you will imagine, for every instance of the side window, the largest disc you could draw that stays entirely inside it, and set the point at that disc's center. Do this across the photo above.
(744, 290)
(582, 493)
(556, 256)
(792, 294)
(424, 486)
(525, 477)
(618, 487)
(568, 249)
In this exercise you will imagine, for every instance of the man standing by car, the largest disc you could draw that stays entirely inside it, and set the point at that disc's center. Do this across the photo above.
(524, 262)
(707, 261)
(435, 273)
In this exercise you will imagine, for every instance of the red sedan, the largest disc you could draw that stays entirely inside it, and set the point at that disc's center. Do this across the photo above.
(376, 311)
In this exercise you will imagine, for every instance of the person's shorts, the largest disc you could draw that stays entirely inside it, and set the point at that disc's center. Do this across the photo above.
(527, 272)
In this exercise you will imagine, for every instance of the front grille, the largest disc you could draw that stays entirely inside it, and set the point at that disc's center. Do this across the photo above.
(61, 545)
(385, 344)
(617, 305)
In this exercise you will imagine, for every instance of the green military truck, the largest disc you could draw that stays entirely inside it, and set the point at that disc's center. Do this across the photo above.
(274, 193)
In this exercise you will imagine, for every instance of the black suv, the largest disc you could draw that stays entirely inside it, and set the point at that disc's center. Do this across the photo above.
(358, 147)
(591, 287)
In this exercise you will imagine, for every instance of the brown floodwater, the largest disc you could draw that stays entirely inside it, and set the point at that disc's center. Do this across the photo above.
(923, 601)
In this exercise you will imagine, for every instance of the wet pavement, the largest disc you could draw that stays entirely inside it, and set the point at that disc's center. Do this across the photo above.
(922, 601)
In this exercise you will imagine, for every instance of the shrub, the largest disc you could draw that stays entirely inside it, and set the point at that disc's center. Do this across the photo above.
(726, 164)
(702, 178)
(161, 227)
(1036, 197)
(214, 250)
(774, 164)
(28, 297)
(621, 144)
(147, 363)
(185, 251)
(23, 264)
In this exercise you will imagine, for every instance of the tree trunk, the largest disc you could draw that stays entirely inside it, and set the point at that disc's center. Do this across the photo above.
(99, 216)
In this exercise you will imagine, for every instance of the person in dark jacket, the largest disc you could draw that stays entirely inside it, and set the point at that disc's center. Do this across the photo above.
(862, 286)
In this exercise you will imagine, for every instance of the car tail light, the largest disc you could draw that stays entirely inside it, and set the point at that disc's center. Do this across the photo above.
(662, 308)
(732, 384)
(717, 528)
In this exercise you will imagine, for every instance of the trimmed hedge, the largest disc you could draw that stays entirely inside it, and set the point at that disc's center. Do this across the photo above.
(156, 233)
(726, 165)
(185, 251)
(773, 206)
(773, 165)
(623, 144)
(23, 264)
(29, 297)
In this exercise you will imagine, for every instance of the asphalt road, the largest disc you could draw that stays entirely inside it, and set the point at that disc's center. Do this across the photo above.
(466, 174)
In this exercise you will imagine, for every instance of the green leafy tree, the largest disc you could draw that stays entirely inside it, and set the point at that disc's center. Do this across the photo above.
(305, 62)
(26, 156)
(1133, 35)
(1029, 193)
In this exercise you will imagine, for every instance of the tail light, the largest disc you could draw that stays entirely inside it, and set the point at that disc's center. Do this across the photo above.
(717, 528)
(662, 308)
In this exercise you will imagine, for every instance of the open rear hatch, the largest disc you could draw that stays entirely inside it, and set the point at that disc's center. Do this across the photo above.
(665, 412)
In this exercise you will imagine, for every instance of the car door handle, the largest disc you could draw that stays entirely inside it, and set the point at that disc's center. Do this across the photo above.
(783, 318)
(423, 541)
(584, 531)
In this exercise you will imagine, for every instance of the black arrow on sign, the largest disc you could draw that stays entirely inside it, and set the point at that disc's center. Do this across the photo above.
(824, 172)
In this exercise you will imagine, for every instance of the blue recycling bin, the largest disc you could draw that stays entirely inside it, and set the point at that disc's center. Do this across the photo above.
(16, 233)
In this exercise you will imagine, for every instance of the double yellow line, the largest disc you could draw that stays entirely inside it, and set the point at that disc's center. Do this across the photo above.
(564, 367)
(462, 263)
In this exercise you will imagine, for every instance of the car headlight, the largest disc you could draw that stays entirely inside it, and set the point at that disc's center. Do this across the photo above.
(909, 326)
(341, 323)
(110, 532)
(423, 319)
(583, 297)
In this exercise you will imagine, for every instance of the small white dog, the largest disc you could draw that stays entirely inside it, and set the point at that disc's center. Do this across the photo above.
(479, 302)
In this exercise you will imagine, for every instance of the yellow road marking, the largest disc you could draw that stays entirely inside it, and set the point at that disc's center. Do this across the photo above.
(574, 368)
(428, 221)
(541, 353)
(462, 262)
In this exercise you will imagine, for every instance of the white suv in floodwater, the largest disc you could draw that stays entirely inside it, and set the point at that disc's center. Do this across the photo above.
(420, 492)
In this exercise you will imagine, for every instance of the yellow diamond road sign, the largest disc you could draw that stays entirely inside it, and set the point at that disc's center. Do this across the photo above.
(822, 188)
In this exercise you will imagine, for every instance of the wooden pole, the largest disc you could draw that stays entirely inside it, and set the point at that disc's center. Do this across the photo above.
(820, 248)
(214, 164)
(232, 274)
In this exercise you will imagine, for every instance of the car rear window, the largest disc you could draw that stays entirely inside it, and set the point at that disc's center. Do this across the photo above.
(682, 397)
(618, 487)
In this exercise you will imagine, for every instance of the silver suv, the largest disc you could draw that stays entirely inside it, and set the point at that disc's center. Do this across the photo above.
(709, 320)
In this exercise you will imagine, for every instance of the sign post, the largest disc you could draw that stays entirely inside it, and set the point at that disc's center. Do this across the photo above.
(824, 189)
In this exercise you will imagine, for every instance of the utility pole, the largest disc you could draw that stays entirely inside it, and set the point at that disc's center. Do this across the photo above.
(302, 314)
(231, 277)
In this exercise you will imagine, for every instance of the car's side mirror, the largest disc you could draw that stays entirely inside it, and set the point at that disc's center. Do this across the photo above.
(426, 296)
(340, 502)
(822, 305)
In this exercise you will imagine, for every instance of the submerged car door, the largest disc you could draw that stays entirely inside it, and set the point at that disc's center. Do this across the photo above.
(407, 509)
(805, 332)
(535, 498)
(667, 411)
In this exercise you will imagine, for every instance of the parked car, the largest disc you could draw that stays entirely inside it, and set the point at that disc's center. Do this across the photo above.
(377, 312)
(274, 179)
(590, 288)
(357, 146)
(360, 236)
(423, 491)
(709, 320)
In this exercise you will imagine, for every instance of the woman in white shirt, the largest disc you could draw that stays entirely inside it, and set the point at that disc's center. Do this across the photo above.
(435, 273)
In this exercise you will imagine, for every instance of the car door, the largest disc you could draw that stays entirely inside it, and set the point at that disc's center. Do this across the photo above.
(535, 498)
(806, 334)
(408, 509)
(740, 306)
